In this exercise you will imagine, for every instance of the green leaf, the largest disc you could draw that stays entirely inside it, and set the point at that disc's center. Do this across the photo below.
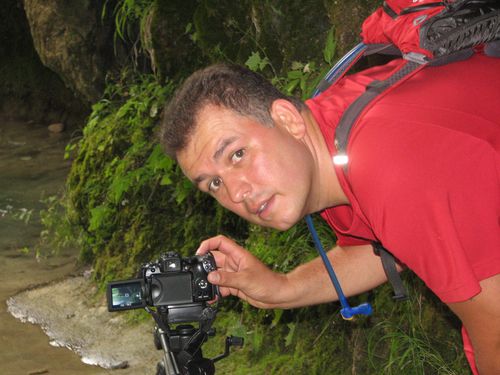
(119, 186)
(278, 313)
(257, 63)
(183, 189)
(330, 47)
(254, 61)
(291, 333)
(297, 65)
(165, 180)
(158, 161)
(97, 216)
(295, 74)
(291, 86)
(263, 63)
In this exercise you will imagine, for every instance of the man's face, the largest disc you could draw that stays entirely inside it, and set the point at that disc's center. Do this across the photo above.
(262, 174)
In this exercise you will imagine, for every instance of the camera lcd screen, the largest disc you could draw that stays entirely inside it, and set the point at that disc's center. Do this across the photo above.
(171, 289)
(125, 295)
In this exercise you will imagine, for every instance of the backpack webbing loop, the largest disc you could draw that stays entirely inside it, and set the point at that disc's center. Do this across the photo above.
(389, 264)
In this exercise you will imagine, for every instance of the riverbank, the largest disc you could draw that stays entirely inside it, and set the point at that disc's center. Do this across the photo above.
(24, 348)
(33, 168)
(72, 318)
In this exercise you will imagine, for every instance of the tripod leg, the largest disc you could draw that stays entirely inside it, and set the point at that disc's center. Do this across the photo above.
(160, 369)
(169, 361)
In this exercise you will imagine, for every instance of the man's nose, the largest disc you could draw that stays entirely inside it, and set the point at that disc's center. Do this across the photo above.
(237, 188)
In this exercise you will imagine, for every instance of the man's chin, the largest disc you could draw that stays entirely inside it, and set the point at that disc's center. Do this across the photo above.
(278, 226)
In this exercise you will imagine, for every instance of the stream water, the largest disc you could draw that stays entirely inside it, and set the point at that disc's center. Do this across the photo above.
(32, 168)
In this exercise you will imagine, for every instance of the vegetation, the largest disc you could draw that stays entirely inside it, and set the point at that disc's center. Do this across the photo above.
(126, 202)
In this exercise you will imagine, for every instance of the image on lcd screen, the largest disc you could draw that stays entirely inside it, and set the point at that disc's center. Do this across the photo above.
(126, 295)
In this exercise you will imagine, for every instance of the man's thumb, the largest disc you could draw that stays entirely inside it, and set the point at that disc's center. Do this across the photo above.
(214, 277)
(227, 279)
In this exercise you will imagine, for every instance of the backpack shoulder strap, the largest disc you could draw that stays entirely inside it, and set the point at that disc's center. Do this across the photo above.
(373, 91)
(349, 118)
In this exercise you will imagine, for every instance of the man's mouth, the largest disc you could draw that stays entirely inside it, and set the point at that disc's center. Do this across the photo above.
(264, 208)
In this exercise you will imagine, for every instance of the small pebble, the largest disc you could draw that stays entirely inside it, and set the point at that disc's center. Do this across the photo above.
(120, 365)
(57, 127)
(39, 372)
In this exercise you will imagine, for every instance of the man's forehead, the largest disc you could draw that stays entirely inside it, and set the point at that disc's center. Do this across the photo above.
(206, 124)
(212, 134)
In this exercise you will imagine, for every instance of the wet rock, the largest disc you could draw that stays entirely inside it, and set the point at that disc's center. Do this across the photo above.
(57, 127)
(72, 40)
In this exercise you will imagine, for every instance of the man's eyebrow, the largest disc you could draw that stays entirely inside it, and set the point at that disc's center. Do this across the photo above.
(226, 142)
(199, 179)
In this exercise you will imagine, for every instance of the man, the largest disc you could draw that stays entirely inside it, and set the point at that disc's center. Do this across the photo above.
(423, 178)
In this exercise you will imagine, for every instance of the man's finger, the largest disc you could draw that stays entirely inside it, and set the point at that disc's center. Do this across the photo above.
(220, 259)
(213, 243)
(222, 244)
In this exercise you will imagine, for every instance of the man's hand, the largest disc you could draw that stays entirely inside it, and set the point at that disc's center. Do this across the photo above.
(241, 274)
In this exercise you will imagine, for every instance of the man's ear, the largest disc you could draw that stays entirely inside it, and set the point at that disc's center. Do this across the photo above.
(285, 114)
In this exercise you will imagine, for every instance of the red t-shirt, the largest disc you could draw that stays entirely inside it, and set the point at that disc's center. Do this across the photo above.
(424, 170)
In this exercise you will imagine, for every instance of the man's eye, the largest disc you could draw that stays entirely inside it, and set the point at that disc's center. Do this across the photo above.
(237, 156)
(214, 184)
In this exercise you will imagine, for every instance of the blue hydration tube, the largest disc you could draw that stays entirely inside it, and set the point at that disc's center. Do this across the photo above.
(340, 67)
(347, 311)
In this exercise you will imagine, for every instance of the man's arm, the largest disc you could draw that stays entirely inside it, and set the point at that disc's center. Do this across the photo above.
(481, 318)
(241, 274)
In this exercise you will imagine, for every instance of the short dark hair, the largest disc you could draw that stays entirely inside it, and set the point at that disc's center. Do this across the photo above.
(225, 85)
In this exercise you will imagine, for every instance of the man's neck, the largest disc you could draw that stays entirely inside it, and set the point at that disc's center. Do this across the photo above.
(328, 191)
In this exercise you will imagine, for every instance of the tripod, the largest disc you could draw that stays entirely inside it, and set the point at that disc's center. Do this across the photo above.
(182, 352)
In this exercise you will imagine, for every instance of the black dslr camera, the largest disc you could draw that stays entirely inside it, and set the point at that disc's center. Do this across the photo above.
(175, 290)
(178, 284)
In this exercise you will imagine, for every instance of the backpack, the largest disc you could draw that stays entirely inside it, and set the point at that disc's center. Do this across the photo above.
(424, 33)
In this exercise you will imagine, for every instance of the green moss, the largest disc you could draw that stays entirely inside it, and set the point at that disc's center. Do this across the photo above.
(128, 199)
